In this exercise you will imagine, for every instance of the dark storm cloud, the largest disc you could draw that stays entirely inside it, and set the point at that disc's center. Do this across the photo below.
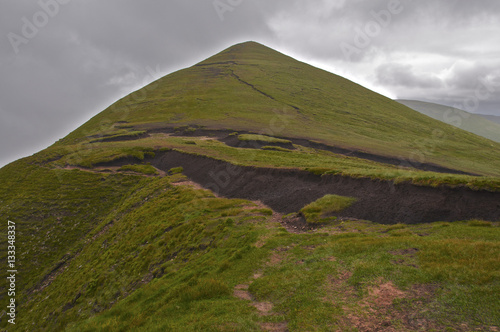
(62, 61)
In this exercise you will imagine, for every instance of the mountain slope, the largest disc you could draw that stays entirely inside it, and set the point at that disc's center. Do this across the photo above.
(473, 123)
(493, 118)
(251, 87)
(170, 211)
(144, 253)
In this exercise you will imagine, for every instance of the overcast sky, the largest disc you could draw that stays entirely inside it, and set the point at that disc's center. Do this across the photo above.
(63, 61)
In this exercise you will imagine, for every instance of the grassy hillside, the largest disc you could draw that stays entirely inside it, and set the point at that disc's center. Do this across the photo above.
(473, 123)
(155, 254)
(254, 88)
(493, 118)
(106, 241)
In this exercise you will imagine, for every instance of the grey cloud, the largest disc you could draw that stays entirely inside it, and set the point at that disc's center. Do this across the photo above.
(93, 52)
(403, 75)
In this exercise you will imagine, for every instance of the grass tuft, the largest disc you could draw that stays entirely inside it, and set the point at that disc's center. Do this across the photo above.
(262, 138)
(175, 170)
(479, 223)
(143, 169)
(317, 211)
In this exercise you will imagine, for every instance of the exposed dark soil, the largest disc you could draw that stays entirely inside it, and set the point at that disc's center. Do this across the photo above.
(231, 140)
(296, 223)
(103, 139)
(288, 190)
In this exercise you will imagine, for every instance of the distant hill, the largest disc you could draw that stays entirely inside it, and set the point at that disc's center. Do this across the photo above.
(474, 123)
(493, 118)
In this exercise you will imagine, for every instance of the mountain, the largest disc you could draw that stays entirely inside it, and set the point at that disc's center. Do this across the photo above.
(248, 86)
(473, 123)
(253, 192)
(493, 118)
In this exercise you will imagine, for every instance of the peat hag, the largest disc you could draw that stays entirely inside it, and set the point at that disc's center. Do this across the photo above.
(288, 190)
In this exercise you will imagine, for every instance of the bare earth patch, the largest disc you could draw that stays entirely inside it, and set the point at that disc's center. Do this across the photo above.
(377, 311)
(278, 255)
(275, 327)
(403, 255)
(264, 308)
(242, 294)
(296, 224)
(189, 183)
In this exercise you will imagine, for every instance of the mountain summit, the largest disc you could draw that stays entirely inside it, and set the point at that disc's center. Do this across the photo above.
(247, 86)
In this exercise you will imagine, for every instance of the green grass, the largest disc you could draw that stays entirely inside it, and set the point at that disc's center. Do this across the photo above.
(139, 253)
(262, 138)
(275, 148)
(53, 211)
(142, 169)
(317, 212)
(119, 134)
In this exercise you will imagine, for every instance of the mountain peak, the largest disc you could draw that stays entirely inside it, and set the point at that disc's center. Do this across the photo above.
(252, 88)
(246, 51)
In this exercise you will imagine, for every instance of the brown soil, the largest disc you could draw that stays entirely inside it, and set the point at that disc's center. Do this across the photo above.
(235, 142)
(274, 327)
(288, 190)
(263, 308)
(242, 294)
(376, 311)
(189, 184)
(296, 223)
(102, 139)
